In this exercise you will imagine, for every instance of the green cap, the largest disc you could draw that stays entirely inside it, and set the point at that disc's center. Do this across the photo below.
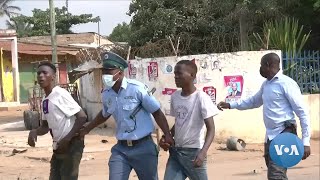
(111, 60)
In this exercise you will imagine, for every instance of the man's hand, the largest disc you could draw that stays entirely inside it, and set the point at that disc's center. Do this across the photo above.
(83, 131)
(198, 161)
(307, 152)
(63, 146)
(169, 139)
(163, 144)
(223, 105)
(32, 139)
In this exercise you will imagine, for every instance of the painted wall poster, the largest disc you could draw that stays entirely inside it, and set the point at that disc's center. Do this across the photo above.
(216, 65)
(132, 71)
(203, 64)
(168, 68)
(212, 92)
(234, 85)
(153, 71)
(168, 91)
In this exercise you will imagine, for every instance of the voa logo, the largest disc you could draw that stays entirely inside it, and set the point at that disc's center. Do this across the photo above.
(280, 149)
(286, 150)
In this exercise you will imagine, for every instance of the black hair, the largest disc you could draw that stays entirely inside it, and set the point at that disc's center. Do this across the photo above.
(50, 65)
(271, 59)
(190, 64)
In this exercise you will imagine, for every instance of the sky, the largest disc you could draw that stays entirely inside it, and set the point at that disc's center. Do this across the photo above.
(111, 12)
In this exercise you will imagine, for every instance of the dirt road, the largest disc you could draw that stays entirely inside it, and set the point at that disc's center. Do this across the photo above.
(222, 164)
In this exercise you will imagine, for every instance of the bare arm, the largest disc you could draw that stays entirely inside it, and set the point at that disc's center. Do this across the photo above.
(209, 138)
(161, 121)
(81, 118)
(173, 130)
(99, 119)
(43, 129)
(40, 131)
(210, 133)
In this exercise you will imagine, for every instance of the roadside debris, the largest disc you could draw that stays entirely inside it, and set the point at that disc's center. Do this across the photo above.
(235, 144)
(17, 151)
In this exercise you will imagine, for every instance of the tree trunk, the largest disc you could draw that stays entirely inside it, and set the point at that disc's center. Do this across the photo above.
(243, 32)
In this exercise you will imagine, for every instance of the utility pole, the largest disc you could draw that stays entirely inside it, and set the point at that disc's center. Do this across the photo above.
(53, 37)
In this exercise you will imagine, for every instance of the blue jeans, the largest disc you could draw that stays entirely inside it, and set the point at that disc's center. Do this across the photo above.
(180, 165)
(142, 157)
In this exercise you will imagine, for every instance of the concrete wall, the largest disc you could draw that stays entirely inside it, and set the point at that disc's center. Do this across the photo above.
(247, 125)
(313, 103)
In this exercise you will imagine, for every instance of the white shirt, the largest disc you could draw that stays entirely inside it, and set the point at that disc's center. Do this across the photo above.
(280, 97)
(190, 113)
(58, 109)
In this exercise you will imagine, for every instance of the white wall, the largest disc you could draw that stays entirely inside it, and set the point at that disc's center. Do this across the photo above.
(247, 125)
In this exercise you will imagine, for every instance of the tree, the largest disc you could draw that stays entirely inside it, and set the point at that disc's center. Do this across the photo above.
(200, 24)
(207, 26)
(317, 4)
(6, 9)
(121, 33)
(22, 28)
(40, 19)
(251, 14)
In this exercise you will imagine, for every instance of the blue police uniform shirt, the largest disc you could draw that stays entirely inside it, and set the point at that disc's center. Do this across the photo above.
(121, 105)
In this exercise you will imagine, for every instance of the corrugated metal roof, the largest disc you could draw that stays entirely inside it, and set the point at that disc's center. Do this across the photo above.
(37, 49)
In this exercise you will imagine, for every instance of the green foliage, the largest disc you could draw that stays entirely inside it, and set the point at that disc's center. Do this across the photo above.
(317, 4)
(6, 9)
(285, 34)
(22, 28)
(203, 26)
(305, 72)
(121, 33)
(40, 19)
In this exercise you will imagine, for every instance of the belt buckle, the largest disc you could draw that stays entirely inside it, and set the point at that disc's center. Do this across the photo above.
(129, 143)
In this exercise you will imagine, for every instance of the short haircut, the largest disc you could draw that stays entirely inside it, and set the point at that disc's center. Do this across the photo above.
(271, 59)
(50, 65)
(189, 64)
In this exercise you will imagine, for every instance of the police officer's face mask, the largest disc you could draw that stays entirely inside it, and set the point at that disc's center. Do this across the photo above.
(108, 81)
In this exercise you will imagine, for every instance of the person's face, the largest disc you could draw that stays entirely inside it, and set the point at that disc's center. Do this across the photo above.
(234, 87)
(264, 68)
(117, 73)
(45, 76)
(182, 75)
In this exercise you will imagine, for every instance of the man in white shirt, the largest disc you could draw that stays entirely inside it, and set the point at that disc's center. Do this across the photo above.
(63, 117)
(193, 111)
(280, 96)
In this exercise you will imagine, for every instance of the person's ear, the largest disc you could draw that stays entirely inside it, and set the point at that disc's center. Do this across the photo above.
(193, 75)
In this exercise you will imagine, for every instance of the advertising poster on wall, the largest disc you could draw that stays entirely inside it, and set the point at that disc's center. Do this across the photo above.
(212, 92)
(234, 86)
(168, 68)
(132, 71)
(153, 71)
(168, 91)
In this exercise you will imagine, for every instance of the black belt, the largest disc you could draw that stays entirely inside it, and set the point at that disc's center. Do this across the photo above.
(134, 142)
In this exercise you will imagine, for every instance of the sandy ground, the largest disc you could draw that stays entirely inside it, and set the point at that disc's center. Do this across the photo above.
(222, 164)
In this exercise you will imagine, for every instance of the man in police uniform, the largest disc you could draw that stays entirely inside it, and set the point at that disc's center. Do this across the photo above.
(120, 97)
